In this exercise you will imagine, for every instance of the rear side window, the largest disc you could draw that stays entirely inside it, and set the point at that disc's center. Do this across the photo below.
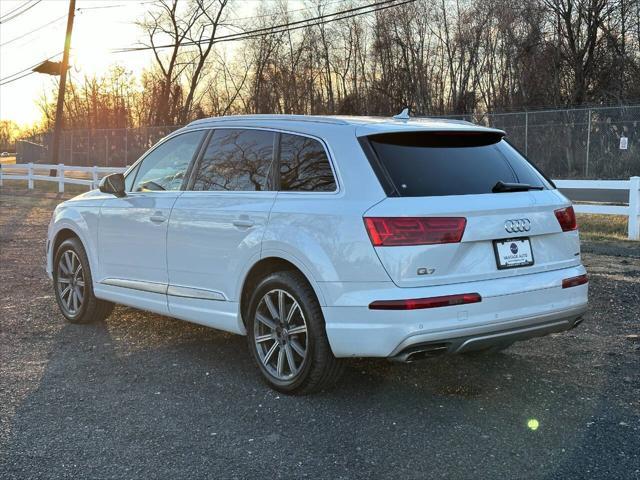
(304, 166)
(423, 164)
(236, 160)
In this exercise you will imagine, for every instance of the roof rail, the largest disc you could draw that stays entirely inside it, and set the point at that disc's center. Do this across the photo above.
(271, 117)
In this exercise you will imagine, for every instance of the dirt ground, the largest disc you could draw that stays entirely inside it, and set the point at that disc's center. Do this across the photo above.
(145, 396)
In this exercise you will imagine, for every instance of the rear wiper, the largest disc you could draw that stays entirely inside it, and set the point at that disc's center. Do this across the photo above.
(514, 187)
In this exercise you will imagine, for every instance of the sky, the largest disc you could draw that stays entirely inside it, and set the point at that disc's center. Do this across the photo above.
(99, 27)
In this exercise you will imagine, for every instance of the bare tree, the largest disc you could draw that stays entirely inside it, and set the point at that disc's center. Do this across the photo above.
(578, 28)
(437, 56)
(188, 36)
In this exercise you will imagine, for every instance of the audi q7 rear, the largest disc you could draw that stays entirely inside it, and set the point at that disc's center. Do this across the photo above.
(328, 237)
(481, 248)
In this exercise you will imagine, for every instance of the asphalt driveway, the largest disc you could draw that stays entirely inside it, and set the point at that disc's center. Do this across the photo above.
(145, 396)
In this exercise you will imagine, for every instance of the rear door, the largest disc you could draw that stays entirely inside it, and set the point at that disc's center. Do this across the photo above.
(217, 225)
(443, 220)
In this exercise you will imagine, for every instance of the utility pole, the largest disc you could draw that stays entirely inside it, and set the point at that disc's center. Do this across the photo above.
(57, 129)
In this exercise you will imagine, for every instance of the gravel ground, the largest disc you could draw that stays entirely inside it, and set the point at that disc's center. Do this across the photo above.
(145, 396)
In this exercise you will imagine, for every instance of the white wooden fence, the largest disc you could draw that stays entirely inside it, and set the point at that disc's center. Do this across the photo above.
(31, 174)
(632, 210)
(632, 185)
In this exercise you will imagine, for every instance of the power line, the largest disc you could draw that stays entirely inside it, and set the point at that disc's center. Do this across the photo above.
(288, 11)
(11, 15)
(250, 35)
(81, 9)
(60, 18)
(17, 78)
(5, 20)
(15, 9)
(32, 31)
(286, 27)
(28, 68)
(253, 17)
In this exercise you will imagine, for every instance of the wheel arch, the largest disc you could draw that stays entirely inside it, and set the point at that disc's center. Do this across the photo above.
(68, 229)
(263, 267)
(61, 235)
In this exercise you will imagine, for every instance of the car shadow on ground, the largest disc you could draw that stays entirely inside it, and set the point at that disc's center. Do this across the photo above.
(148, 396)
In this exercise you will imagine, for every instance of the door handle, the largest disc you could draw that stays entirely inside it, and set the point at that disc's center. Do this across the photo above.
(243, 223)
(158, 218)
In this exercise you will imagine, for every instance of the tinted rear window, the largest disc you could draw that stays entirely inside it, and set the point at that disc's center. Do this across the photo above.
(422, 164)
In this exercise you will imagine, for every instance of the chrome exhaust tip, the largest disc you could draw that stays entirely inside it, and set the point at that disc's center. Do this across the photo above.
(414, 354)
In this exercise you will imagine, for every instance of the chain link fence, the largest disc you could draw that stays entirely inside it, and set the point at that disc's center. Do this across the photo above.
(571, 144)
(588, 143)
(112, 147)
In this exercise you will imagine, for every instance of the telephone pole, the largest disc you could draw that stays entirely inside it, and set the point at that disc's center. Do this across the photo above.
(57, 129)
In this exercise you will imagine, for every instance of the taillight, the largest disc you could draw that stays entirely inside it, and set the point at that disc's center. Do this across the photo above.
(431, 302)
(395, 231)
(575, 281)
(567, 219)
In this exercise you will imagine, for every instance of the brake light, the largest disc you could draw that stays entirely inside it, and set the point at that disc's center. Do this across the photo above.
(575, 281)
(567, 219)
(431, 302)
(396, 231)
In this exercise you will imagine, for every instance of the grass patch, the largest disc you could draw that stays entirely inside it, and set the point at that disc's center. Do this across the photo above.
(602, 227)
(40, 186)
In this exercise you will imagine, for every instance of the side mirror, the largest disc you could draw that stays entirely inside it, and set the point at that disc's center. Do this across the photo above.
(113, 184)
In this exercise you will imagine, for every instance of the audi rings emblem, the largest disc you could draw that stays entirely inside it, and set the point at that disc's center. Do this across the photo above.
(517, 225)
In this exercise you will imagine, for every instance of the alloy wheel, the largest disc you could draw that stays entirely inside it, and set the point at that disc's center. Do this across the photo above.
(71, 282)
(280, 334)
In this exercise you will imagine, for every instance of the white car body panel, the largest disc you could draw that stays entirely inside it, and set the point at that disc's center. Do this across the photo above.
(193, 264)
(81, 216)
(345, 257)
(237, 222)
(473, 258)
(132, 234)
(355, 330)
(132, 297)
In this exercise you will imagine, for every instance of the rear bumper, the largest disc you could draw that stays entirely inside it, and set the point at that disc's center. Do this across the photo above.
(511, 309)
(427, 345)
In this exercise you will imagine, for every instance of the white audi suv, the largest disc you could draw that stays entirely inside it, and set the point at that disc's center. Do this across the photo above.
(321, 238)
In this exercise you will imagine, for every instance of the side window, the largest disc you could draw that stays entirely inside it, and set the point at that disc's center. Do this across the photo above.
(236, 160)
(128, 180)
(304, 166)
(165, 167)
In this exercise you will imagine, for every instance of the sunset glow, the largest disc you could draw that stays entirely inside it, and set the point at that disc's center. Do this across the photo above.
(100, 27)
(96, 31)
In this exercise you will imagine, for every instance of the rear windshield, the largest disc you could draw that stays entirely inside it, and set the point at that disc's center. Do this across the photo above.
(423, 164)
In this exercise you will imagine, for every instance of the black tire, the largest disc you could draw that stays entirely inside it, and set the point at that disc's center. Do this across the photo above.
(319, 369)
(90, 309)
